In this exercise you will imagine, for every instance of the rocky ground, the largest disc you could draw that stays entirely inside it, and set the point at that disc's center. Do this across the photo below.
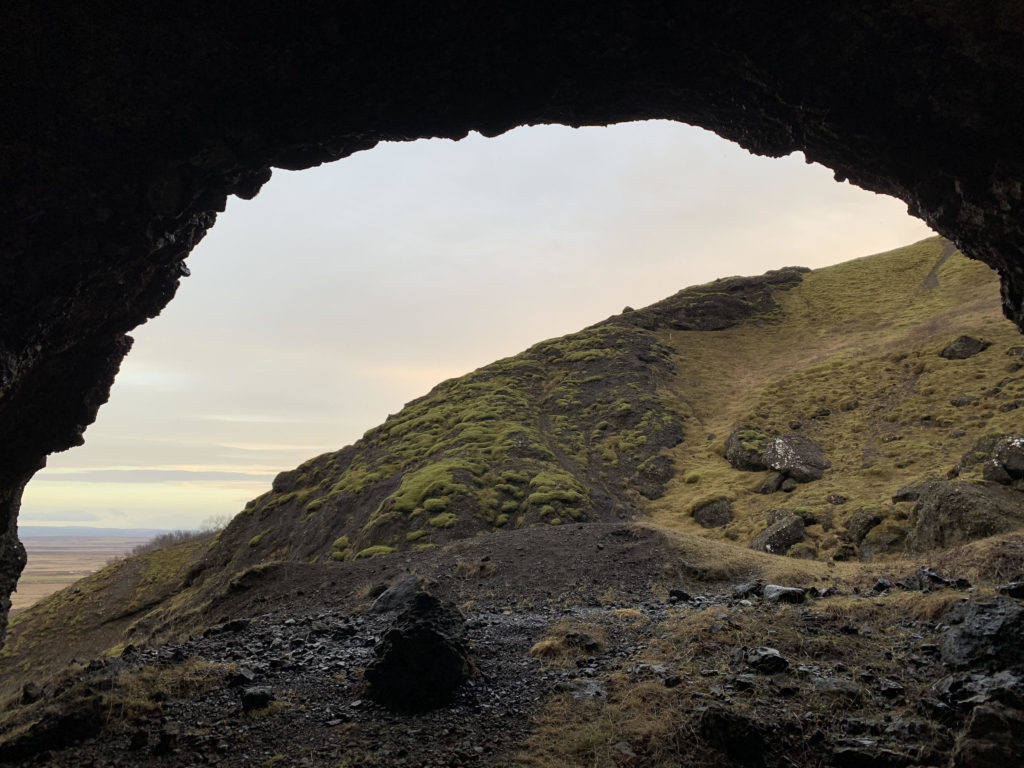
(607, 660)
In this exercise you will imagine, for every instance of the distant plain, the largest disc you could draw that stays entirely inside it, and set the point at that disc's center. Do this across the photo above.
(55, 562)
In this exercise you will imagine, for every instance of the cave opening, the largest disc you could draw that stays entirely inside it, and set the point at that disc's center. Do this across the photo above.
(342, 292)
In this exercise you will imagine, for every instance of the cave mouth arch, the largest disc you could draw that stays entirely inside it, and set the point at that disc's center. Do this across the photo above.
(257, 367)
(126, 128)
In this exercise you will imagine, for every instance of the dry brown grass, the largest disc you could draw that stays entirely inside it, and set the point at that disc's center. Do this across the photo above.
(864, 330)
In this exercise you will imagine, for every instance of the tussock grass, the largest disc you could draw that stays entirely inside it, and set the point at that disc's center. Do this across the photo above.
(857, 344)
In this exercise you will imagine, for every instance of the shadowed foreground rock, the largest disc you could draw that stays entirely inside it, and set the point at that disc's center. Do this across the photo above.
(422, 660)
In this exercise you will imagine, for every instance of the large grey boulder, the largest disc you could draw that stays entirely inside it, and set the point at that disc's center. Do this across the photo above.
(778, 537)
(952, 512)
(796, 456)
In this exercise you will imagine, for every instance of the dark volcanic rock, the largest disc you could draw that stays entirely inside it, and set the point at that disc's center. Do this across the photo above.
(734, 734)
(767, 661)
(984, 633)
(860, 524)
(1001, 458)
(952, 512)
(714, 514)
(744, 448)
(398, 596)
(773, 593)
(1012, 589)
(772, 483)
(256, 697)
(718, 305)
(796, 457)
(780, 536)
(963, 347)
(994, 738)
(422, 659)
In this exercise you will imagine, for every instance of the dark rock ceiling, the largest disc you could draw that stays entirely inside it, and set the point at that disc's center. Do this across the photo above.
(126, 125)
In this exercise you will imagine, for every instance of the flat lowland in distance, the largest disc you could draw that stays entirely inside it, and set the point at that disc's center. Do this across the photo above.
(57, 561)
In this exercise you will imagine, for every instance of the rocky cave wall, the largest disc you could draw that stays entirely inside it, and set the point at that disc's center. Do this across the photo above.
(127, 125)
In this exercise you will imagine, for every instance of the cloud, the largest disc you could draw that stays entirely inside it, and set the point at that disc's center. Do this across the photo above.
(59, 516)
(152, 476)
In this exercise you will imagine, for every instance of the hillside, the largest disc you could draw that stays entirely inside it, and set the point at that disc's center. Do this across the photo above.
(826, 416)
(631, 416)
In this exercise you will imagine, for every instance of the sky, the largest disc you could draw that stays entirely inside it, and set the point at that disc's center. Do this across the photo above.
(342, 292)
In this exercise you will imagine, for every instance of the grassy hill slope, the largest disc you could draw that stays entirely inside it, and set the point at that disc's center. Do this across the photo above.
(626, 419)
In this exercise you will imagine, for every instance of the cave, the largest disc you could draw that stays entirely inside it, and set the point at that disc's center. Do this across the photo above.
(126, 128)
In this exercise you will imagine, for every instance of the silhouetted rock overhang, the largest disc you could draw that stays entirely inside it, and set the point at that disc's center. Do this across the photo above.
(127, 125)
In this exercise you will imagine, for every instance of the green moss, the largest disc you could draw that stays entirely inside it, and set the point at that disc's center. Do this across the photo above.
(375, 551)
(436, 504)
(341, 542)
(443, 520)
(255, 540)
(414, 535)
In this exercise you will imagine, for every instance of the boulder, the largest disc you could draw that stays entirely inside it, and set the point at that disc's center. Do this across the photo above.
(771, 483)
(780, 536)
(952, 512)
(422, 659)
(773, 593)
(994, 738)
(256, 697)
(713, 514)
(966, 690)
(909, 492)
(733, 733)
(1005, 463)
(984, 633)
(744, 448)
(767, 661)
(926, 579)
(797, 457)
(860, 524)
(1012, 589)
(963, 347)
(398, 596)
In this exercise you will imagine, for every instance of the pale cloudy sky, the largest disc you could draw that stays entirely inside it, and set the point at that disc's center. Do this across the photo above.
(342, 292)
